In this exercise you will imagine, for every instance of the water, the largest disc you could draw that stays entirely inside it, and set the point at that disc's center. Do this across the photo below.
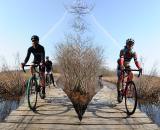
(153, 111)
(6, 107)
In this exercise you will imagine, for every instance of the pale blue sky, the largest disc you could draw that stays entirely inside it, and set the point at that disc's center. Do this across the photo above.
(111, 23)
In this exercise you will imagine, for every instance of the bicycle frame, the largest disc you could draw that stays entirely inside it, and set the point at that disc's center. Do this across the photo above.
(35, 71)
(127, 72)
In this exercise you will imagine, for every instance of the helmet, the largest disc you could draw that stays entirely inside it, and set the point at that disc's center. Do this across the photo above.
(35, 37)
(130, 41)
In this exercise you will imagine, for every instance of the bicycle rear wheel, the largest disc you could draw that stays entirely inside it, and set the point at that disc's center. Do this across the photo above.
(130, 97)
(32, 93)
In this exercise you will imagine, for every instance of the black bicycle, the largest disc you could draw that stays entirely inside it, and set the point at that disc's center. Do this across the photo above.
(33, 87)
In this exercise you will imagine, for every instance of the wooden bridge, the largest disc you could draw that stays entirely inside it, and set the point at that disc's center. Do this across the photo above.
(56, 112)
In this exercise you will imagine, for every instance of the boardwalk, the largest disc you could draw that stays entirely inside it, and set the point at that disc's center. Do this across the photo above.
(56, 112)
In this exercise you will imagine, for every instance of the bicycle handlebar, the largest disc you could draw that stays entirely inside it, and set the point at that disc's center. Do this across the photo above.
(140, 71)
(34, 67)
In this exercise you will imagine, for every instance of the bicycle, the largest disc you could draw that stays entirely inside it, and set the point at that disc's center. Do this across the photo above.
(48, 79)
(33, 88)
(129, 92)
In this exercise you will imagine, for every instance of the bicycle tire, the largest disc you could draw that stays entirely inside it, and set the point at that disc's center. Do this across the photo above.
(130, 100)
(41, 95)
(32, 96)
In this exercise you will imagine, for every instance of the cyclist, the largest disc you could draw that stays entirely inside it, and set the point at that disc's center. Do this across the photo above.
(126, 54)
(38, 52)
(49, 68)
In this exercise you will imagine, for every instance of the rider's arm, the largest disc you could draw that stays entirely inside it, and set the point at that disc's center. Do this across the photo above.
(121, 58)
(136, 61)
(43, 55)
(28, 56)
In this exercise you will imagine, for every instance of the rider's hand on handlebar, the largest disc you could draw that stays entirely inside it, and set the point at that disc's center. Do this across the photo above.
(140, 70)
(22, 65)
(41, 64)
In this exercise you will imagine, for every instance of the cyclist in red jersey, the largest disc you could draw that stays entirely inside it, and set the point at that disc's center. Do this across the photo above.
(126, 55)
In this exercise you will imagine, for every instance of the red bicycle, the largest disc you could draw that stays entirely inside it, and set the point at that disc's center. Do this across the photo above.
(129, 91)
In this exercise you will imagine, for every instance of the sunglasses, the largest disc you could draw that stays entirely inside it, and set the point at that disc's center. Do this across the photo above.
(34, 40)
(130, 44)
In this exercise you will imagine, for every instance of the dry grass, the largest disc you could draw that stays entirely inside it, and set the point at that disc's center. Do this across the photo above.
(112, 79)
(148, 87)
(11, 85)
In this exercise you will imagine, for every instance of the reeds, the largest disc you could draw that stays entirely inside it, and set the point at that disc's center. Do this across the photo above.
(11, 85)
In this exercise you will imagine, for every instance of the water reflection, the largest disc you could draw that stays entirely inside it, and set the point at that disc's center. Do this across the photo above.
(153, 111)
(6, 107)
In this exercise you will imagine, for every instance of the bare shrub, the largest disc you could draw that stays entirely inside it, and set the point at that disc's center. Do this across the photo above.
(79, 60)
(79, 65)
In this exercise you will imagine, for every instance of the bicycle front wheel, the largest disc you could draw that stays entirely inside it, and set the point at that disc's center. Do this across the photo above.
(32, 93)
(130, 97)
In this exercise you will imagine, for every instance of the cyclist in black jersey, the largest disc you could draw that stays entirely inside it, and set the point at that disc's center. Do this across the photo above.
(38, 52)
(48, 65)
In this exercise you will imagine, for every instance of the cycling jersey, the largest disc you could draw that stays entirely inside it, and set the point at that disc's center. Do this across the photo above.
(48, 65)
(38, 52)
(125, 57)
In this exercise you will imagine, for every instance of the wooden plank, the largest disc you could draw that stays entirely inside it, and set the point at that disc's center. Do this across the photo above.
(56, 112)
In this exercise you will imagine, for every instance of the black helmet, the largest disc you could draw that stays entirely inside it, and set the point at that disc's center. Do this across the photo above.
(35, 37)
(130, 41)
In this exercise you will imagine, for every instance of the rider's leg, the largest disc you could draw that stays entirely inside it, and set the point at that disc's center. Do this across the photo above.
(119, 85)
(32, 70)
(33, 74)
(46, 78)
(52, 78)
(130, 76)
(119, 81)
(42, 79)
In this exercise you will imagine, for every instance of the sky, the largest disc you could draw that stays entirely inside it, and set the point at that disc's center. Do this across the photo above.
(111, 22)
